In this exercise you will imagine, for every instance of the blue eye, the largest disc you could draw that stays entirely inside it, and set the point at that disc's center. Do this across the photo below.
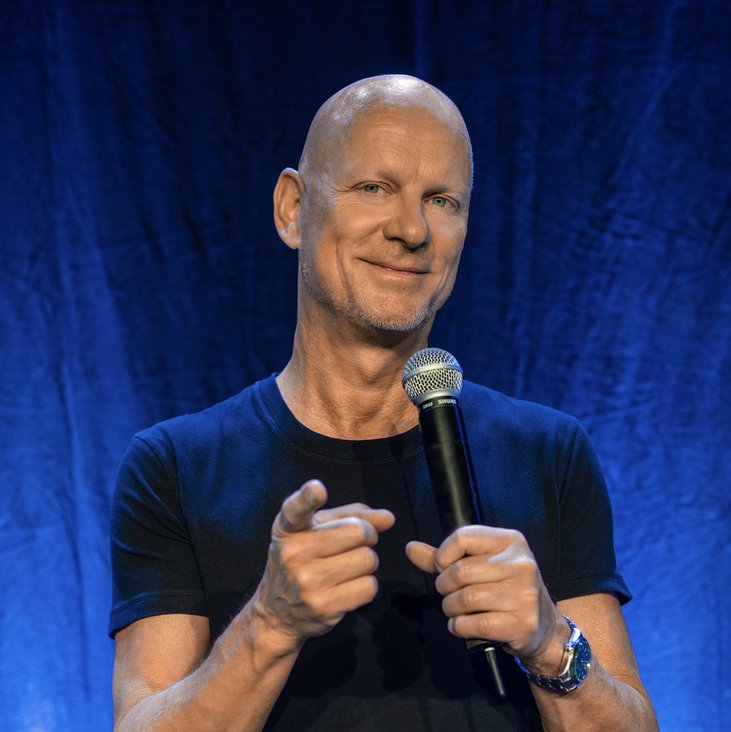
(371, 188)
(440, 201)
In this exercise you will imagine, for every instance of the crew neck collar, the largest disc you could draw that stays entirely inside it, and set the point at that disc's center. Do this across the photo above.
(286, 425)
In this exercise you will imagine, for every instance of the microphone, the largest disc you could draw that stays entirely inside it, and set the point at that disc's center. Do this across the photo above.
(432, 379)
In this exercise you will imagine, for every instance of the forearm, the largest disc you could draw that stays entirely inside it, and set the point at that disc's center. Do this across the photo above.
(234, 688)
(601, 703)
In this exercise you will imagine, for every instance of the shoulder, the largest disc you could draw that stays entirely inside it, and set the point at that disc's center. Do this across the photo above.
(174, 462)
(204, 430)
(517, 418)
(535, 440)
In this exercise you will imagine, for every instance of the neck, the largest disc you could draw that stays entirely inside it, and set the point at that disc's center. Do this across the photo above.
(350, 387)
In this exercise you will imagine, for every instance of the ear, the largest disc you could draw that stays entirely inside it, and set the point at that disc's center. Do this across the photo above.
(287, 205)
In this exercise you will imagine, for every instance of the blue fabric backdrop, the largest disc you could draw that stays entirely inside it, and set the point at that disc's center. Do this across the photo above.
(141, 277)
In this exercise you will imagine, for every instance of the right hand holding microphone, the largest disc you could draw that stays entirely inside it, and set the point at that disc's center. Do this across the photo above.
(492, 588)
(321, 565)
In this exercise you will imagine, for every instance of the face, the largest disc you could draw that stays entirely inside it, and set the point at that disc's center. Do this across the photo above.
(384, 221)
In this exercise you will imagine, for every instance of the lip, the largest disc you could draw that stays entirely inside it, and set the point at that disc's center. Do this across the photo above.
(397, 268)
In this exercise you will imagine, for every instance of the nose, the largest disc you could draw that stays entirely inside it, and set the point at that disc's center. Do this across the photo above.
(408, 223)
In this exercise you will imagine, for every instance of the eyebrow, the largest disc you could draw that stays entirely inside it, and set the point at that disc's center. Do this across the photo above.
(391, 175)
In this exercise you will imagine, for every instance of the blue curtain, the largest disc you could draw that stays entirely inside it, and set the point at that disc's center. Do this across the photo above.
(141, 277)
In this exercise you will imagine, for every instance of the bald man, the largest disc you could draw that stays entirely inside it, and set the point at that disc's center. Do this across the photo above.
(349, 610)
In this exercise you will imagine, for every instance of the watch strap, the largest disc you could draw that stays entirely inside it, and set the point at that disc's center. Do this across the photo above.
(574, 669)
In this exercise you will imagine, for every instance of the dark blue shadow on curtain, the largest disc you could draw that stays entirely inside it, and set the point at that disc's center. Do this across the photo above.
(141, 276)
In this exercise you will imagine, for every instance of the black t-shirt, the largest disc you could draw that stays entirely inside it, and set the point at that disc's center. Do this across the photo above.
(192, 515)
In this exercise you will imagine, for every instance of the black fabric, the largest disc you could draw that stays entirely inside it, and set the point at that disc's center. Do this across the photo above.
(192, 514)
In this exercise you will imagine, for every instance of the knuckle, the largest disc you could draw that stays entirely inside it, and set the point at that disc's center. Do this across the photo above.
(461, 572)
(462, 535)
(358, 530)
(483, 625)
(351, 525)
(525, 568)
(514, 536)
(317, 603)
(285, 552)
(472, 595)
(302, 576)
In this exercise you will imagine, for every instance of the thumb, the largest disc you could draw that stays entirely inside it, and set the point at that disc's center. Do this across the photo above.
(422, 556)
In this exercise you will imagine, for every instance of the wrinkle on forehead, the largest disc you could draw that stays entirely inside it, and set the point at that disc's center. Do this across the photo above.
(334, 120)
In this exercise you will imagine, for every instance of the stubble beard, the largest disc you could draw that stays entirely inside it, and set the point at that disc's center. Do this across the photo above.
(388, 322)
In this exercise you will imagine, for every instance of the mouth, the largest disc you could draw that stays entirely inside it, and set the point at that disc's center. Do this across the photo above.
(397, 269)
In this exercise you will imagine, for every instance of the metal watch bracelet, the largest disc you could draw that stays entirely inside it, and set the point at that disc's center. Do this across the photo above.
(575, 665)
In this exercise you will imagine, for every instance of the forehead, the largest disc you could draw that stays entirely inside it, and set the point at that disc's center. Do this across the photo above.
(405, 134)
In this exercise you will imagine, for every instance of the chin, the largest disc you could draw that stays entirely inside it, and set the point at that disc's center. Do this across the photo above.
(392, 323)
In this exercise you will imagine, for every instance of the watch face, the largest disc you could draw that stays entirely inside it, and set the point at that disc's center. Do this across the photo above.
(582, 659)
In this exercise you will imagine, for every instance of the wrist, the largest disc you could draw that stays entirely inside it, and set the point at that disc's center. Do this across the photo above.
(266, 636)
(574, 669)
(547, 659)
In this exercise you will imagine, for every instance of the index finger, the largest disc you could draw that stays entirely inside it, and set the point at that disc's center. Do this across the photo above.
(299, 508)
(470, 540)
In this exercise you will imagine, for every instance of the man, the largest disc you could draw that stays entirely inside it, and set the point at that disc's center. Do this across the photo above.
(333, 627)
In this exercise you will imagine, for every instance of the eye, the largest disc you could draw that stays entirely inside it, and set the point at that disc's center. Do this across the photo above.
(442, 202)
(371, 188)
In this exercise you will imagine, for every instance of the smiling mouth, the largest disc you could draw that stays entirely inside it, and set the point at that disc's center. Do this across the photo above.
(398, 268)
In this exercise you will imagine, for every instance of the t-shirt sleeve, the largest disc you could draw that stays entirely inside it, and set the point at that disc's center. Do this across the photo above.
(154, 571)
(587, 563)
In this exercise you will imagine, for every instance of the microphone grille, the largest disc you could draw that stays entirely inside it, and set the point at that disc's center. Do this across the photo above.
(430, 373)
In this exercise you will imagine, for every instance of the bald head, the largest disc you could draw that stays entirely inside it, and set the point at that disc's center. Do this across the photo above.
(379, 208)
(332, 124)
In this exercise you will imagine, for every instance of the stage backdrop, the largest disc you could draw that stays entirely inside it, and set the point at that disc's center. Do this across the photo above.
(141, 276)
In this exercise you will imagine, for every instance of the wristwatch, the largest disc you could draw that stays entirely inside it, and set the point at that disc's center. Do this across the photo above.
(575, 665)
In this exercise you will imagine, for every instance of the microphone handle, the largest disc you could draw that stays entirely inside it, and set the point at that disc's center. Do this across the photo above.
(455, 488)
(450, 463)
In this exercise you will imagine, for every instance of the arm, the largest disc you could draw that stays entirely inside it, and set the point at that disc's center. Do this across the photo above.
(492, 588)
(613, 685)
(320, 566)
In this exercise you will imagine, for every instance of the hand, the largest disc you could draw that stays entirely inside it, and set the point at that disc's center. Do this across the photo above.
(492, 589)
(320, 564)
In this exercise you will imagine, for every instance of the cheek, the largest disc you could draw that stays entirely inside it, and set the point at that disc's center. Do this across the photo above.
(451, 255)
(351, 224)
(450, 276)
(313, 220)
(326, 241)
(452, 238)
(340, 231)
